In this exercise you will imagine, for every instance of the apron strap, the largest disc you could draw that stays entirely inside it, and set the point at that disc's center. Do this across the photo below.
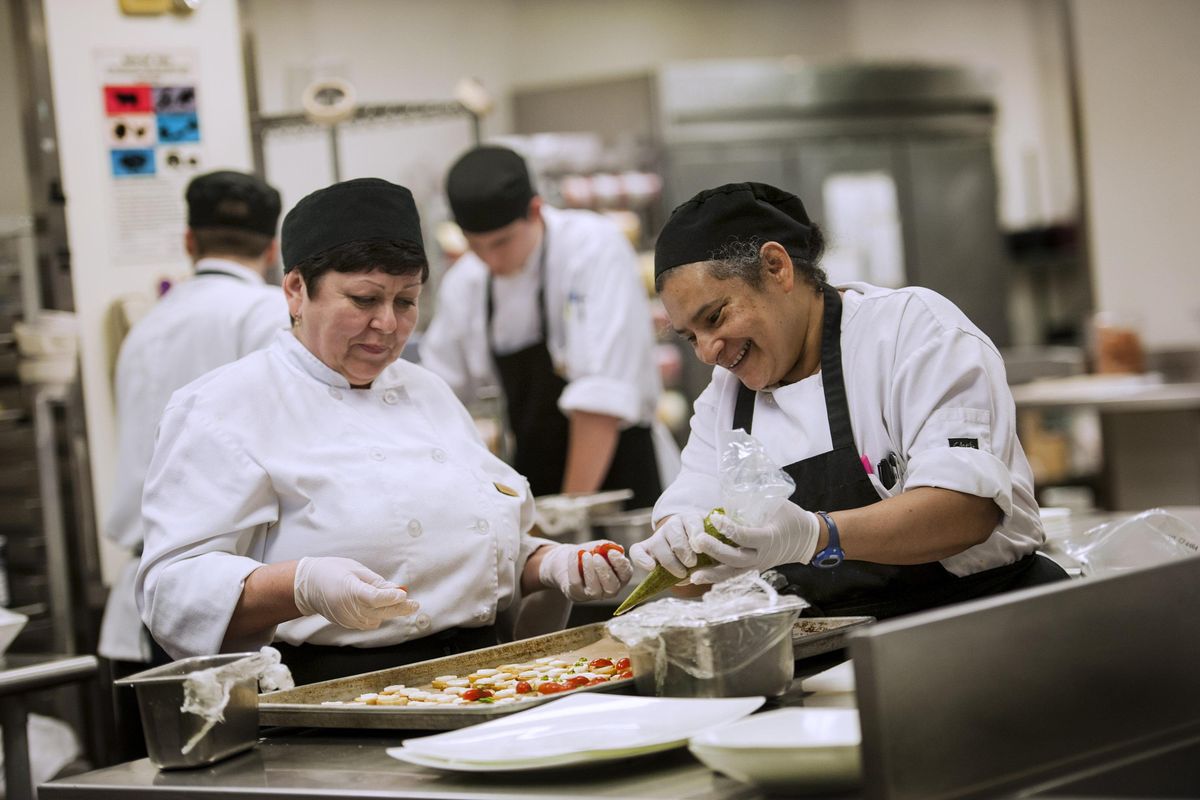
(837, 409)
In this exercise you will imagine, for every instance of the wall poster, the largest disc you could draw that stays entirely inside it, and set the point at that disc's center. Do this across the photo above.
(153, 139)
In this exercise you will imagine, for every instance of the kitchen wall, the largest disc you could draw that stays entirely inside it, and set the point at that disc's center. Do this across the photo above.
(75, 31)
(390, 51)
(533, 43)
(1139, 66)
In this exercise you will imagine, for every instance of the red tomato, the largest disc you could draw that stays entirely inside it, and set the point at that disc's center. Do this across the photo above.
(623, 664)
(606, 548)
(579, 558)
(523, 687)
(575, 681)
(626, 674)
(597, 679)
(550, 687)
(600, 662)
(475, 694)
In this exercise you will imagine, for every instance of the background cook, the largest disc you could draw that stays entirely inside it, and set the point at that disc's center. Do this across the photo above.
(549, 304)
(889, 408)
(301, 494)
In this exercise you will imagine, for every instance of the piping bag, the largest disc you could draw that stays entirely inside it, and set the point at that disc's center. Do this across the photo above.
(753, 488)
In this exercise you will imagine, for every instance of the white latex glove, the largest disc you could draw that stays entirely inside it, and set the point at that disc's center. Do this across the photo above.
(346, 593)
(790, 537)
(670, 546)
(584, 577)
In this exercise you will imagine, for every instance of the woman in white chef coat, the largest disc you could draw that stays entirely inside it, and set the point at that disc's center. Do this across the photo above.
(888, 408)
(303, 494)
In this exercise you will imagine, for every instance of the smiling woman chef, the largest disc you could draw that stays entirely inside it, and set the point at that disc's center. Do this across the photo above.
(302, 494)
(889, 408)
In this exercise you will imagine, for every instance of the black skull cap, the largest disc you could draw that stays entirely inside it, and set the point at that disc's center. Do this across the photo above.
(228, 199)
(363, 209)
(488, 188)
(698, 229)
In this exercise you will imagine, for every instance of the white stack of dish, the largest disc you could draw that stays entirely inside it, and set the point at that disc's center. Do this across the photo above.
(48, 346)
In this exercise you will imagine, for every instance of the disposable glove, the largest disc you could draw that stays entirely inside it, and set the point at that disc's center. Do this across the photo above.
(346, 593)
(670, 547)
(585, 571)
(789, 537)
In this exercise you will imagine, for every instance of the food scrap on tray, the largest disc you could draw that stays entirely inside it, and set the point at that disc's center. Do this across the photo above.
(507, 683)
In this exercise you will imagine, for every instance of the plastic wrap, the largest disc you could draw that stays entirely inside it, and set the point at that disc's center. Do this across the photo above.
(1143, 540)
(734, 640)
(206, 691)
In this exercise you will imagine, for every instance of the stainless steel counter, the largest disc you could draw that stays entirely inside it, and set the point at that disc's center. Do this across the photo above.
(305, 766)
(1150, 434)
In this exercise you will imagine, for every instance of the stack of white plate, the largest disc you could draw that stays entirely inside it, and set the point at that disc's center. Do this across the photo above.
(1057, 523)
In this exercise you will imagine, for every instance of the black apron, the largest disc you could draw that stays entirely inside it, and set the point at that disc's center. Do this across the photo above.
(836, 481)
(532, 387)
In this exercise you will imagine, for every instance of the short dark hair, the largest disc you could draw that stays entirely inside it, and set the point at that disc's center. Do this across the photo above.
(235, 242)
(393, 257)
(740, 258)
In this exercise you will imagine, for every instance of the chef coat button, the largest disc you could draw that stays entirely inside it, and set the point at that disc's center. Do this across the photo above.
(391, 397)
(334, 393)
(414, 528)
(439, 454)
(482, 525)
(377, 454)
(423, 622)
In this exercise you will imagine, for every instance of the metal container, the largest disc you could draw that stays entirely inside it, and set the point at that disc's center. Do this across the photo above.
(626, 528)
(745, 655)
(167, 729)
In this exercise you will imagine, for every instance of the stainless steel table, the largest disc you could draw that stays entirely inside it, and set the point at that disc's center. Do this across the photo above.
(307, 766)
(19, 675)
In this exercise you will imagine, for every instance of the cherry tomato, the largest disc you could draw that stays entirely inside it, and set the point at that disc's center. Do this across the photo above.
(475, 694)
(606, 548)
(579, 558)
(575, 681)
(626, 674)
(550, 687)
(597, 679)
(623, 664)
(523, 687)
(600, 662)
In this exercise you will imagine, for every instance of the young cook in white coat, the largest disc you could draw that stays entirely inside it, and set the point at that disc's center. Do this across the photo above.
(889, 408)
(549, 305)
(225, 312)
(303, 494)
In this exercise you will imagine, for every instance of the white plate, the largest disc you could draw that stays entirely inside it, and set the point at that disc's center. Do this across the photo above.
(572, 730)
(833, 680)
(789, 749)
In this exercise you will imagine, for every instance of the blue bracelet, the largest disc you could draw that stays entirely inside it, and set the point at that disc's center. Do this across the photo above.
(832, 555)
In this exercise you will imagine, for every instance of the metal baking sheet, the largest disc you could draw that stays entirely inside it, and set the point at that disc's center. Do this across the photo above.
(301, 706)
(813, 636)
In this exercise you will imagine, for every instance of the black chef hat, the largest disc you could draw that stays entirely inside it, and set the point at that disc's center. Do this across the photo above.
(488, 188)
(228, 199)
(698, 229)
(363, 209)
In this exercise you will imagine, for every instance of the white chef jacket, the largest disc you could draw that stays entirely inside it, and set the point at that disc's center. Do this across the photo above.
(275, 457)
(601, 333)
(922, 382)
(201, 324)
